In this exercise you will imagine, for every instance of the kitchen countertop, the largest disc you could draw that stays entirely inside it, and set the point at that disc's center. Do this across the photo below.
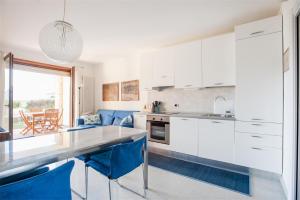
(189, 115)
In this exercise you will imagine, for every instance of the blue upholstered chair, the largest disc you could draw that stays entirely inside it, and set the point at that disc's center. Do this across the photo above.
(54, 184)
(118, 160)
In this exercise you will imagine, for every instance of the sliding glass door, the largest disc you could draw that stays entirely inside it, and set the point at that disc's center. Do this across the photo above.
(35, 98)
(6, 97)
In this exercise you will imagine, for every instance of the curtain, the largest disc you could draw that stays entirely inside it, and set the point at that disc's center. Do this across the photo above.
(2, 86)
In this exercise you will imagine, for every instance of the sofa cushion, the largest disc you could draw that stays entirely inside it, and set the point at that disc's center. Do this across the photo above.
(2, 129)
(127, 122)
(106, 116)
(122, 113)
(81, 127)
(117, 121)
(91, 119)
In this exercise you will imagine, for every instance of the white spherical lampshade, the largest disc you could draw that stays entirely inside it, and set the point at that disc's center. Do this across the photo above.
(61, 42)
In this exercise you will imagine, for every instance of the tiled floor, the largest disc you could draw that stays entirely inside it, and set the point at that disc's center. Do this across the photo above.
(164, 185)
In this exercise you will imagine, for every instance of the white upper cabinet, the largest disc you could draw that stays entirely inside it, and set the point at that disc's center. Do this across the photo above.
(146, 73)
(163, 68)
(257, 28)
(259, 90)
(188, 65)
(218, 61)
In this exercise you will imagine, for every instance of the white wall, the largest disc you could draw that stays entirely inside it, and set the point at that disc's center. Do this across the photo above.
(117, 70)
(289, 137)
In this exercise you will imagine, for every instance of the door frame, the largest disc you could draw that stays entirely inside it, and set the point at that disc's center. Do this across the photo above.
(297, 104)
(9, 134)
(19, 61)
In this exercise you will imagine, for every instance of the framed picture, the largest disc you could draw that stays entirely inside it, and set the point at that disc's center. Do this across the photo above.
(110, 92)
(130, 90)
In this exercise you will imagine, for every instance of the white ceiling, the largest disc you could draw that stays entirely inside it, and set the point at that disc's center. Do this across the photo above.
(118, 27)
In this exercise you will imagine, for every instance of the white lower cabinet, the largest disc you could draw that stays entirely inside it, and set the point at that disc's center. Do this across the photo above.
(259, 151)
(140, 121)
(216, 140)
(184, 135)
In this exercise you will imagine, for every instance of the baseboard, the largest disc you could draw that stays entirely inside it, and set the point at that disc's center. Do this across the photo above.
(203, 161)
(284, 187)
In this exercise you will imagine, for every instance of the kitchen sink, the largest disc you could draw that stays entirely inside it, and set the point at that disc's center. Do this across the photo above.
(217, 115)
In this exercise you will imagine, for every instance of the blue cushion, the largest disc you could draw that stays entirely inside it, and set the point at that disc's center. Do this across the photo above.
(54, 184)
(122, 159)
(117, 121)
(82, 127)
(123, 113)
(80, 122)
(107, 116)
(2, 129)
(23, 175)
(127, 122)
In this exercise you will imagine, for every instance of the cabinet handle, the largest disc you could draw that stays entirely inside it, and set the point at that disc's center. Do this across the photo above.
(188, 85)
(184, 119)
(164, 76)
(216, 122)
(218, 83)
(256, 136)
(257, 32)
(256, 124)
(255, 148)
(256, 119)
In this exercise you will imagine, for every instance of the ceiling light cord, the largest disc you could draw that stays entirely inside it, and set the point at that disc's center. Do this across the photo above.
(65, 2)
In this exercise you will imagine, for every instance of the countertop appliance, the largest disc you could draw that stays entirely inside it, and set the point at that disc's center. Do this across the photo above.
(158, 127)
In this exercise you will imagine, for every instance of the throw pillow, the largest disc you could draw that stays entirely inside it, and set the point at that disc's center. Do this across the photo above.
(117, 121)
(127, 121)
(91, 119)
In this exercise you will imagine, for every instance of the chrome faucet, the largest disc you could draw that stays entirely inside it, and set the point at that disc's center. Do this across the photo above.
(219, 97)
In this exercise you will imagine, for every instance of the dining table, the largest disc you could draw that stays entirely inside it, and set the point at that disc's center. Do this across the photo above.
(20, 155)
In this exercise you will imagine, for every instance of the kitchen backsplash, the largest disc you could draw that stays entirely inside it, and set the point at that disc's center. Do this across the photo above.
(206, 100)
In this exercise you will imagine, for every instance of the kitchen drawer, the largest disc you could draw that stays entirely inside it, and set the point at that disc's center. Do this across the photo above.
(258, 140)
(259, 127)
(257, 28)
(263, 158)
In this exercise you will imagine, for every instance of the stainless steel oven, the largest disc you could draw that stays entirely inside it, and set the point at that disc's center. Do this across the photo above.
(158, 128)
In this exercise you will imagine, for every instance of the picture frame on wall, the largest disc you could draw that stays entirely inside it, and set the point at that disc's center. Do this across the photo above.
(130, 90)
(110, 91)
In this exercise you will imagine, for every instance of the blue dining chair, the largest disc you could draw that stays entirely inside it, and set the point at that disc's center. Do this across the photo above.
(118, 161)
(53, 184)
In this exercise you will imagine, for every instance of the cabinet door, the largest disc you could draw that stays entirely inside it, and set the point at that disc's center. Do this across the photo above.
(163, 68)
(259, 90)
(218, 57)
(216, 140)
(188, 65)
(261, 27)
(146, 75)
(263, 155)
(140, 122)
(184, 135)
